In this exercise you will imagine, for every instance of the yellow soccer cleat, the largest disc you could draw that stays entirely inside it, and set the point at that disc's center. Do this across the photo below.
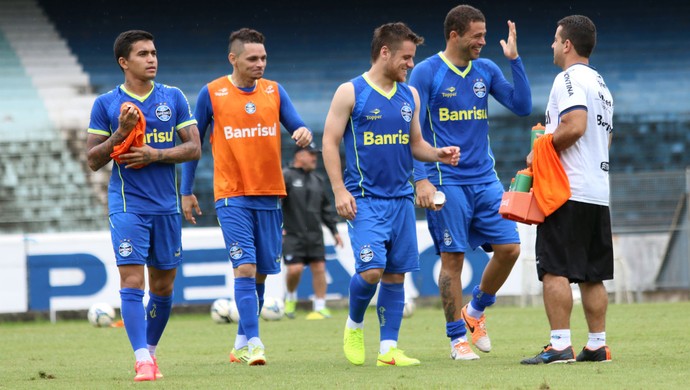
(353, 345)
(239, 355)
(396, 357)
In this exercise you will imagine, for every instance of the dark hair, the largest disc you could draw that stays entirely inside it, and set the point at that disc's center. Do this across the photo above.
(245, 35)
(459, 19)
(124, 41)
(392, 35)
(581, 32)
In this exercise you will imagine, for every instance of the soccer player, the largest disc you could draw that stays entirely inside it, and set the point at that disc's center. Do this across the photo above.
(377, 115)
(454, 88)
(574, 243)
(244, 112)
(305, 208)
(143, 204)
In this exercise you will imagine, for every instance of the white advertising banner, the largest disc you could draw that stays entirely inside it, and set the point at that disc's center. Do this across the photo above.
(71, 271)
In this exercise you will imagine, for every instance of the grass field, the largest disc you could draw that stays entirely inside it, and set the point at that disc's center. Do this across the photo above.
(650, 345)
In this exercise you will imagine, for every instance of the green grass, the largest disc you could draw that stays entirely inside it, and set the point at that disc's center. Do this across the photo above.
(649, 343)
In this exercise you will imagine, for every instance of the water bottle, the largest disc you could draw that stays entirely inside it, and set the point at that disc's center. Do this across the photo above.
(538, 129)
(523, 181)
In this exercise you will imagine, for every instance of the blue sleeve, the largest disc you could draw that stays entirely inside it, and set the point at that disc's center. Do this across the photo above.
(204, 117)
(184, 112)
(288, 115)
(99, 122)
(518, 98)
(421, 79)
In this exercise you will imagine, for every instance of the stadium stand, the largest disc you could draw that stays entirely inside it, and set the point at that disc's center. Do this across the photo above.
(313, 47)
(44, 186)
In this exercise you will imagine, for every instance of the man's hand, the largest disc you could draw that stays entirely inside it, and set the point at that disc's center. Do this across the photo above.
(449, 155)
(302, 137)
(129, 117)
(510, 47)
(425, 191)
(345, 203)
(338, 240)
(139, 156)
(189, 203)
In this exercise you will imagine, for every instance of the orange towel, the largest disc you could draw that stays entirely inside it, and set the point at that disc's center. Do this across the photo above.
(135, 138)
(551, 185)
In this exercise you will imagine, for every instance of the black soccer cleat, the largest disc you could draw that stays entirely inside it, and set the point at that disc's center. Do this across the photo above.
(601, 354)
(550, 355)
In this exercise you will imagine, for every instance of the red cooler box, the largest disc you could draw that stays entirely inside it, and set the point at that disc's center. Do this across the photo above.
(521, 207)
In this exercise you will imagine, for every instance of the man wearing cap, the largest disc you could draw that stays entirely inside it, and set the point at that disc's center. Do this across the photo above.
(305, 208)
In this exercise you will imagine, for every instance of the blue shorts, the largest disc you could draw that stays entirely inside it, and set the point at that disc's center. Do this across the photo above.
(470, 219)
(384, 235)
(152, 240)
(252, 237)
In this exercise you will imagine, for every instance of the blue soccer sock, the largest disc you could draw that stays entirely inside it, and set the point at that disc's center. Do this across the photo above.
(134, 316)
(456, 330)
(389, 308)
(248, 306)
(361, 293)
(157, 315)
(260, 290)
(480, 301)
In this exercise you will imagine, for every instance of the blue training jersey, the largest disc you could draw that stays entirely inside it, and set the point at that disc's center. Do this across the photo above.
(204, 114)
(454, 112)
(377, 141)
(151, 189)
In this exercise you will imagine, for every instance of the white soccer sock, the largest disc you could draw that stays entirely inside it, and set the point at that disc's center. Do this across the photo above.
(255, 342)
(474, 313)
(386, 346)
(152, 349)
(596, 340)
(143, 355)
(459, 339)
(240, 341)
(560, 339)
(319, 304)
(291, 296)
(354, 325)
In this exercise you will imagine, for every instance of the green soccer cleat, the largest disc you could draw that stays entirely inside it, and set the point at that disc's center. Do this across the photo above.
(319, 315)
(290, 307)
(256, 357)
(353, 345)
(239, 355)
(396, 357)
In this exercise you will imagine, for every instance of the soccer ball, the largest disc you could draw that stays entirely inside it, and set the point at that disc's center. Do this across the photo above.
(273, 309)
(408, 310)
(233, 312)
(101, 314)
(220, 310)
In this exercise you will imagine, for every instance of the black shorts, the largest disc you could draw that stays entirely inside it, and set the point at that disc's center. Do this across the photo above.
(575, 242)
(301, 251)
(290, 260)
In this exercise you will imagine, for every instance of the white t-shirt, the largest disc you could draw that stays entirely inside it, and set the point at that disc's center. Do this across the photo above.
(586, 162)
